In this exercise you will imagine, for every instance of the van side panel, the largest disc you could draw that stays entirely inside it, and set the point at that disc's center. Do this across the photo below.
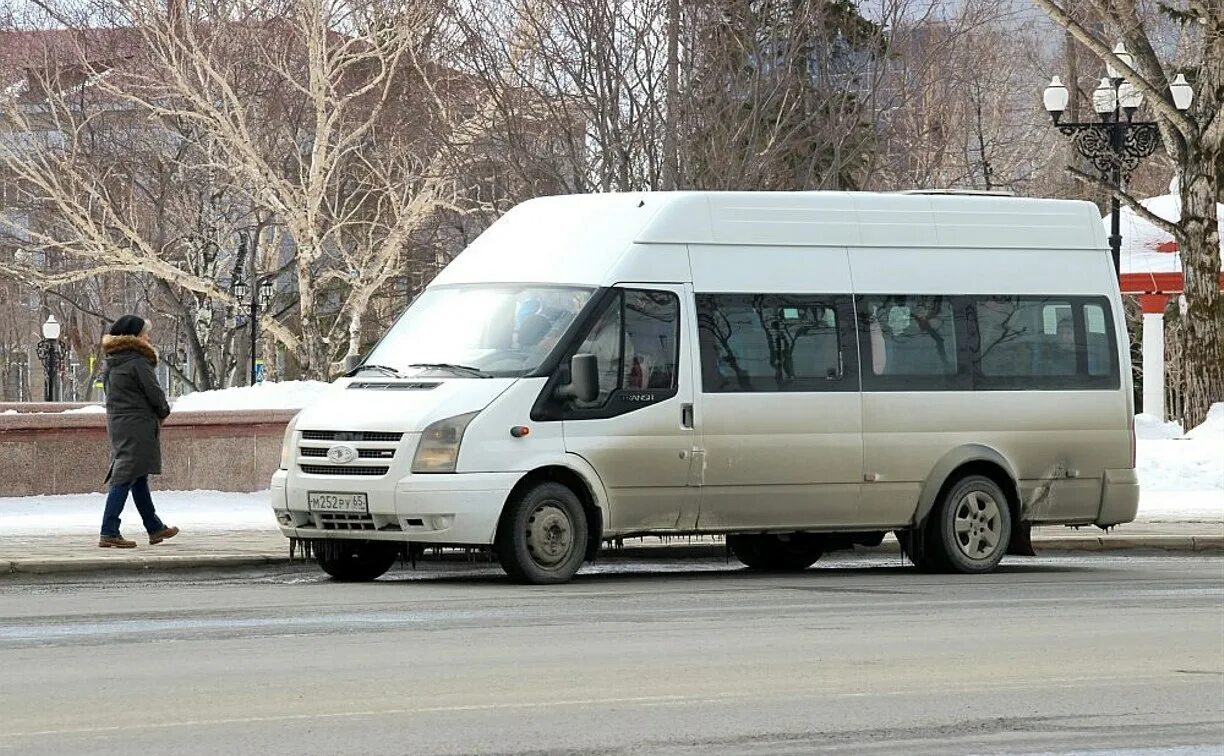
(1058, 443)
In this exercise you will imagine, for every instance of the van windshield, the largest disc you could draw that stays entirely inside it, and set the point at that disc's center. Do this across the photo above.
(502, 330)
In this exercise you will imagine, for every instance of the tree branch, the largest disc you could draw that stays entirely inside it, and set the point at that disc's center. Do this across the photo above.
(1131, 201)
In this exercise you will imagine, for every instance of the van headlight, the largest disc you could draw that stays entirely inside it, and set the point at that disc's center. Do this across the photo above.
(438, 449)
(287, 442)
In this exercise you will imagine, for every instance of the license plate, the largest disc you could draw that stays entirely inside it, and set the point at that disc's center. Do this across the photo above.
(337, 502)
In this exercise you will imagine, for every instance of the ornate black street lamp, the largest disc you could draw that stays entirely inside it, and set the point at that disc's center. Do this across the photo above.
(52, 354)
(1117, 142)
(264, 292)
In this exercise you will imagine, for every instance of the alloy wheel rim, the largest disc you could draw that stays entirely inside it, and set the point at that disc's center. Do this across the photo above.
(977, 525)
(550, 534)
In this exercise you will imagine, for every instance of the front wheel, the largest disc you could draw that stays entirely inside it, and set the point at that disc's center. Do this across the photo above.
(542, 538)
(355, 561)
(776, 553)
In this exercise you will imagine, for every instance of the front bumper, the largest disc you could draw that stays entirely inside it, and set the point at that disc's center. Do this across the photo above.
(458, 509)
(1119, 498)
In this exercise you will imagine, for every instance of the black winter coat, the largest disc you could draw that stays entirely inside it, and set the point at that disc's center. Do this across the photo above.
(135, 407)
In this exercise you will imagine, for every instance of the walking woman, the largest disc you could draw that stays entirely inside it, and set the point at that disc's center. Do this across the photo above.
(135, 408)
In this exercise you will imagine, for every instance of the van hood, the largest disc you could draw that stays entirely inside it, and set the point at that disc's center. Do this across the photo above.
(398, 406)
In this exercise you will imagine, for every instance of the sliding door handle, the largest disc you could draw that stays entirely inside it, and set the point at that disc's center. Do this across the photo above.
(686, 416)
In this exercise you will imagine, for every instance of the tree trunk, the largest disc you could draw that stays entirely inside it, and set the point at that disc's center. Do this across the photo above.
(1203, 332)
(670, 140)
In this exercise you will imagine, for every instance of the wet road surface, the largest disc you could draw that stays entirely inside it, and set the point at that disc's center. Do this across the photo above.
(1067, 654)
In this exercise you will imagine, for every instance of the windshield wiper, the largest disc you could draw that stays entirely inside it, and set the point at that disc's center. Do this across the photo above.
(380, 368)
(477, 372)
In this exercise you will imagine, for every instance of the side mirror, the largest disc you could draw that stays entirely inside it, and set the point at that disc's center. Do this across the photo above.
(351, 363)
(584, 378)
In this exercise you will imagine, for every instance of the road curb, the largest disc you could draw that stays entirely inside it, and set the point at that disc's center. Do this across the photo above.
(630, 551)
(52, 566)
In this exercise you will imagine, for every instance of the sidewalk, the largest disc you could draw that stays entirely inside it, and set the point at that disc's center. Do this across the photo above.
(220, 549)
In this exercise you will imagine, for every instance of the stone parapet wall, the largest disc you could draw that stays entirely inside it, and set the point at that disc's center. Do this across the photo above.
(54, 453)
(31, 407)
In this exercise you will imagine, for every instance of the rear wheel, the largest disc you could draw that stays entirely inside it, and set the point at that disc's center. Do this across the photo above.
(969, 530)
(355, 561)
(776, 553)
(543, 535)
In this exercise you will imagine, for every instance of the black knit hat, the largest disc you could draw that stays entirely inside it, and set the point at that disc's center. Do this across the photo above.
(128, 325)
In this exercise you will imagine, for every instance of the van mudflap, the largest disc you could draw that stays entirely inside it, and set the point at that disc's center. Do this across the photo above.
(1021, 543)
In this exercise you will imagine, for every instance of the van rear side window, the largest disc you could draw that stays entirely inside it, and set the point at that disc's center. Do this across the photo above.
(1050, 343)
(1024, 337)
(1101, 357)
(986, 343)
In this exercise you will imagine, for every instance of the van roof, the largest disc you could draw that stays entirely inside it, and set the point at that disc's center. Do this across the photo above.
(578, 235)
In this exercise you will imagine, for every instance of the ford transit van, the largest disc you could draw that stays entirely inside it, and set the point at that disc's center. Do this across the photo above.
(799, 372)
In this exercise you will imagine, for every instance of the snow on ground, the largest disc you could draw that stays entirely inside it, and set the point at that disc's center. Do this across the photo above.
(286, 395)
(1181, 478)
(189, 510)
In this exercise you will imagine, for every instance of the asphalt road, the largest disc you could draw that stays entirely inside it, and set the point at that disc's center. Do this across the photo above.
(1054, 654)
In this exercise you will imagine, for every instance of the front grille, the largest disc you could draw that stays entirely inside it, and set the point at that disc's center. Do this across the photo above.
(315, 435)
(341, 470)
(317, 453)
(339, 521)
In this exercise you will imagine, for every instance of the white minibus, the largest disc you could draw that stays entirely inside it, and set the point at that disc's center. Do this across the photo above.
(800, 372)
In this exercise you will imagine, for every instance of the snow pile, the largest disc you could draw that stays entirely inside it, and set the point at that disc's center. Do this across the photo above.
(1213, 427)
(1182, 477)
(1148, 427)
(91, 409)
(263, 396)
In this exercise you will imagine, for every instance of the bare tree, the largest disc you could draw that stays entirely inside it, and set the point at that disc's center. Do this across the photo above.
(576, 89)
(1194, 141)
(315, 113)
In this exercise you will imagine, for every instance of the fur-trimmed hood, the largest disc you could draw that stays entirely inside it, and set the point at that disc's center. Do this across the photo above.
(116, 344)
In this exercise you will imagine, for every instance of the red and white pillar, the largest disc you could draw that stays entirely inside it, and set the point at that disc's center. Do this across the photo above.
(1153, 354)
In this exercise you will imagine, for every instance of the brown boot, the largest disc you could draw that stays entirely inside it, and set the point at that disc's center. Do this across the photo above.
(162, 535)
(115, 542)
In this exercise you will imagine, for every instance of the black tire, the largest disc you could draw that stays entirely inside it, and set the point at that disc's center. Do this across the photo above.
(968, 530)
(355, 561)
(542, 538)
(774, 553)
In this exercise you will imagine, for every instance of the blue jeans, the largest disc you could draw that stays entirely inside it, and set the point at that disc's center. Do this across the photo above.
(117, 498)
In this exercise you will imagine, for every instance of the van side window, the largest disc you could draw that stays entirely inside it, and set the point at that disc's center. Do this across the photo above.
(651, 344)
(910, 343)
(636, 343)
(1042, 343)
(774, 342)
